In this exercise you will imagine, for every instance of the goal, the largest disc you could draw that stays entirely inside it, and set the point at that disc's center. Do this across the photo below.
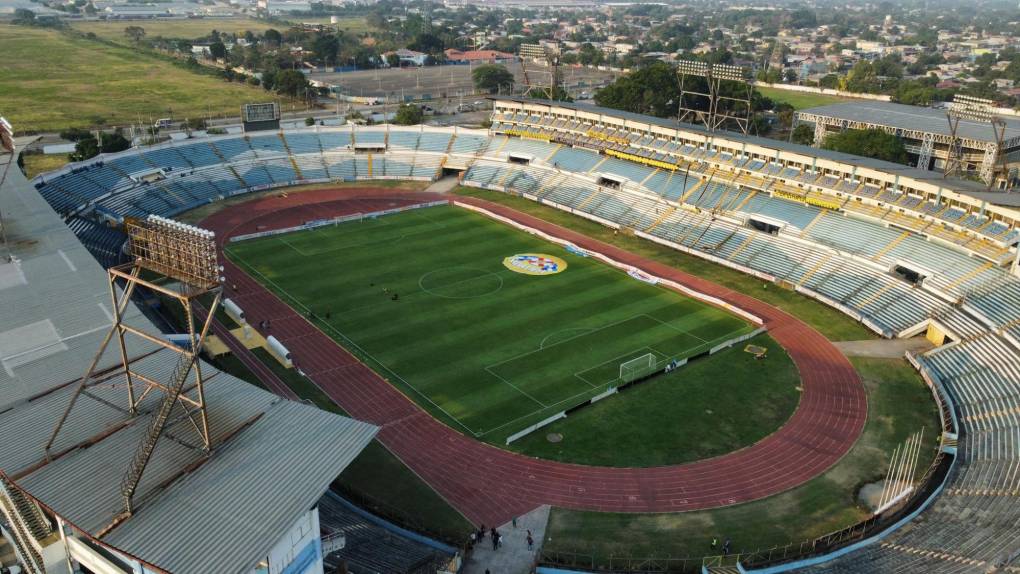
(638, 367)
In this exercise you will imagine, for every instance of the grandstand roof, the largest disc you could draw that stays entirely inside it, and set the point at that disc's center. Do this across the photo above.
(271, 461)
(902, 116)
(954, 184)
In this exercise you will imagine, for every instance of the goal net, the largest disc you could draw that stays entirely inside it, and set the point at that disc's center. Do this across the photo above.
(638, 367)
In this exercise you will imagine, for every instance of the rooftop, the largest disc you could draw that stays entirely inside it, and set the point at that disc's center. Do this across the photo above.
(935, 178)
(929, 120)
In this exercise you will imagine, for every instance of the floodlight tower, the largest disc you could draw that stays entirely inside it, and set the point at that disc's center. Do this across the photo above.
(704, 107)
(179, 261)
(969, 108)
(545, 78)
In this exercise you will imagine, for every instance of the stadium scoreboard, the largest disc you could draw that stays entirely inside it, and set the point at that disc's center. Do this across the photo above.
(258, 117)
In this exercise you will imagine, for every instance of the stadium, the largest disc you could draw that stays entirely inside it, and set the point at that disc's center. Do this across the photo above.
(459, 328)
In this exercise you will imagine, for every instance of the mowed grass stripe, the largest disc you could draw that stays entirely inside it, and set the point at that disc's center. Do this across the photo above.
(460, 311)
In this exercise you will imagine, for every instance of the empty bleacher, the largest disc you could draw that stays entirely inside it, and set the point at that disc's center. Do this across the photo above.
(371, 548)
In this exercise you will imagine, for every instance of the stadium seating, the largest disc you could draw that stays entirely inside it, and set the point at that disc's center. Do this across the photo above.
(370, 547)
(102, 242)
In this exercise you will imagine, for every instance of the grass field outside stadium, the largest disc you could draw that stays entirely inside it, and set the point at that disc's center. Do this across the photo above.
(481, 346)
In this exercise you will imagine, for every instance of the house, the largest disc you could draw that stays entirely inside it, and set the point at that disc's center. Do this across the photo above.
(408, 57)
(478, 56)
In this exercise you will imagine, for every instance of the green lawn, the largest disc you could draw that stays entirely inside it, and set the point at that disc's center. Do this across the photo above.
(486, 349)
(799, 100)
(51, 80)
(187, 29)
(828, 321)
(899, 405)
(700, 411)
(36, 163)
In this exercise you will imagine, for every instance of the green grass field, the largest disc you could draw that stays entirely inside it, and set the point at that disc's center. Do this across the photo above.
(799, 100)
(899, 404)
(189, 29)
(51, 80)
(485, 348)
(834, 325)
(700, 411)
(194, 28)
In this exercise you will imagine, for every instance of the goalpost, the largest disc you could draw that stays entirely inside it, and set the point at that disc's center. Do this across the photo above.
(638, 367)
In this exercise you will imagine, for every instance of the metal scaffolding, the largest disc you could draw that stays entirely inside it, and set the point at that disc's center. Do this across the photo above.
(180, 262)
(540, 64)
(702, 107)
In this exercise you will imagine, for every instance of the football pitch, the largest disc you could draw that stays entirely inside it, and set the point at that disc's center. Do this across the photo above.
(424, 297)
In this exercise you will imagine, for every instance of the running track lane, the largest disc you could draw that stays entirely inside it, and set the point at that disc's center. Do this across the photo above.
(491, 485)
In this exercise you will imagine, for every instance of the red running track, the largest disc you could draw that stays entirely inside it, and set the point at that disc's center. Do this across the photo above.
(489, 485)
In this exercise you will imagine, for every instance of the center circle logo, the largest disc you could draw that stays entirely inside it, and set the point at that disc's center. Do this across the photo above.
(535, 264)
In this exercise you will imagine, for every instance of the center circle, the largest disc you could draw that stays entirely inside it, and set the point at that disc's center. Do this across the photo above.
(460, 282)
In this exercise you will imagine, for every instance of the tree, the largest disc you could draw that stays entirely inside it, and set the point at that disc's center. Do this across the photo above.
(653, 89)
(490, 77)
(273, 37)
(803, 134)
(218, 50)
(88, 147)
(24, 17)
(393, 60)
(290, 82)
(136, 33)
(427, 43)
(325, 49)
(869, 143)
(309, 121)
(75, 134)
(85, 149)
(830, 81)
(269, 79)
(112, 143)
(408, 115)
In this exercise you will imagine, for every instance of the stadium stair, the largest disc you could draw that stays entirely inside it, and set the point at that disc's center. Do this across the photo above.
(695, 187)
(290, 156)
(369, 161)
(649, 176)
(23, 545)
(587, 200)
(746, 200)
(968, 276)
(596, 166)
(821, 263)
(549, 157)
(665, 215)
(809, 226)
(230, 167)
(892, 244)
(876, 295)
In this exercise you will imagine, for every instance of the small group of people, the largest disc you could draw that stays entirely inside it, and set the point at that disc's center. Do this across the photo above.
(496, 538)
(672, 365)
(725, 546)
(493, 534)
(264, 325)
